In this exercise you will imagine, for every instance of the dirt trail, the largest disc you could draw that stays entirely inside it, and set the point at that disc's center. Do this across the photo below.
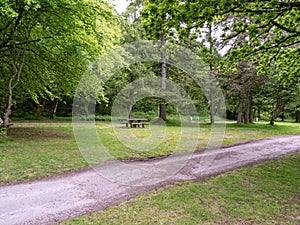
(58, 198)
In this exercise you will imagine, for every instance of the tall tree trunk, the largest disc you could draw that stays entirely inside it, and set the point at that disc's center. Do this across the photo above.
(162, 112)
(211, 104)
(272, 120)
(162, 107)
(39, 109)
(277, 110)
(211, 75)
(248, 107)
(13, 82)
(251, 114)
(247, 111)
(130, 111)
(241, 88)
(53, 112)
(297, 116)
(17, 64)
(131, 92)
(282, 117)
(240, 109)
(9, 104)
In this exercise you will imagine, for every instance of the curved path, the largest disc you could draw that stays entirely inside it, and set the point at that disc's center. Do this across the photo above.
(54, 199)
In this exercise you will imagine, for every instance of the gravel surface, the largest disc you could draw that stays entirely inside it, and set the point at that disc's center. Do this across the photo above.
(57, 198)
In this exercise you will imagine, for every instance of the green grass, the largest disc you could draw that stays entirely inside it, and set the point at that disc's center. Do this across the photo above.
(35, 150)
(235, 133)
(139, 143)
(261, 194)
(38, 150)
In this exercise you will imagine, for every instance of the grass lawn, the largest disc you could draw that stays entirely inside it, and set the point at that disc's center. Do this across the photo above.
(38, 150)
(35, 150)
(261, 194)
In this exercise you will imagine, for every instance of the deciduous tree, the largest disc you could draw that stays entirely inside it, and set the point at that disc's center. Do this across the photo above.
(46, 45)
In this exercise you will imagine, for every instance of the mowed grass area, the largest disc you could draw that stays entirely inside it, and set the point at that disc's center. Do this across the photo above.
(35, 150)
(260, 194)
(38, 150)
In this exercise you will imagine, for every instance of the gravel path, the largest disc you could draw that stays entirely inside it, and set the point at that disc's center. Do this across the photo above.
(52, 200)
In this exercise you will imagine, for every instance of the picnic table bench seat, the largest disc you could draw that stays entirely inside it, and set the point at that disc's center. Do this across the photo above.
(133, 123)
(143, 123)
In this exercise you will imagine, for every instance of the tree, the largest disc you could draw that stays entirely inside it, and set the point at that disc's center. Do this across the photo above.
(156, 27)
(275, 97)
(209, 52)
(282, 98)
(132, 32)
(46, 45)
(270, 25)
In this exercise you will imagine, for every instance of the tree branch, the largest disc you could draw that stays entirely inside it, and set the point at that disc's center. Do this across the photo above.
(284, 28)
(290, 4)
(9, 47)
(275, 46)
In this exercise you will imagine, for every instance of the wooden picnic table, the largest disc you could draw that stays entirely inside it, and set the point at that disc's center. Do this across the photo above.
(136, 122)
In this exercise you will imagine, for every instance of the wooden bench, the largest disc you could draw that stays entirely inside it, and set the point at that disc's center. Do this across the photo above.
(133, 123)
(137, 124)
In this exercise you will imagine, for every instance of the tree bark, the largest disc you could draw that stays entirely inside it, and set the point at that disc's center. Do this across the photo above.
(16, 77)
(297, 116)
(277, 110)
(9, 104)
(53, 112)
(131, 92)
(282, 117)
(39, 109)
(211, 76)
(130, 111)
(248, 107)
(240, 109)
(211, 105)
(272, 120)
(247, 111)
(241, 88)
(162, 112)
(251, 115)
(17, 64)
(163, 107)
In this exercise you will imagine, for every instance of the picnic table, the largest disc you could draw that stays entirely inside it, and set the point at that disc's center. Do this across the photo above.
(136, 122)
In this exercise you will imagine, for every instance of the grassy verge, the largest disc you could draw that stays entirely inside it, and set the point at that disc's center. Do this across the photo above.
(36, 150)
(261, 194)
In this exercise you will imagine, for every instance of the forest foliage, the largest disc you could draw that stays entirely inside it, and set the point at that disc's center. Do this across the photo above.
(251, 48)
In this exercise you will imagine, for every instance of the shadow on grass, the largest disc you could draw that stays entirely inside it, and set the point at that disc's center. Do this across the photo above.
(34, 133)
